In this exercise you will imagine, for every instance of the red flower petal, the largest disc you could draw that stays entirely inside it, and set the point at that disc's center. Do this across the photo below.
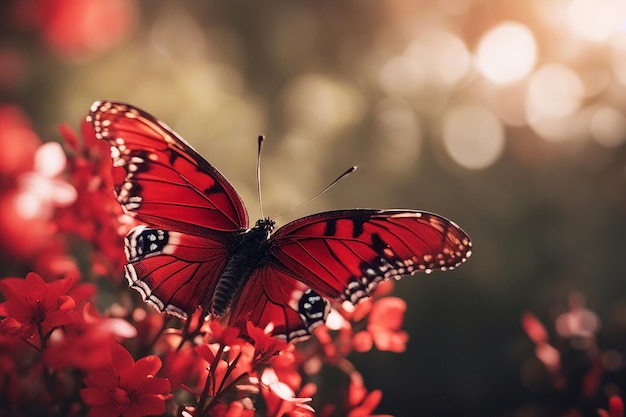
(11, 327)
(101, 378)
(34, 289)
(12, 288)
(15, 309)
(388, 312)
(121, 361)
(148, 365)
(616, 406)
(111, 410)
(534, 328)
(96, 397)
(152, 386)
(146, 406)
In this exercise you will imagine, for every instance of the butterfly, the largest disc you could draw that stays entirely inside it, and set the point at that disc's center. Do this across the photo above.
(195, 250)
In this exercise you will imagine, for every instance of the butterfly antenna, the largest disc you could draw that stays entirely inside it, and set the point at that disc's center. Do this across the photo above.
(335, 181)
(260, 140)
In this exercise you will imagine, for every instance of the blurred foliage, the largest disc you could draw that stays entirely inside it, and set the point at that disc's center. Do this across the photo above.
(375, 83)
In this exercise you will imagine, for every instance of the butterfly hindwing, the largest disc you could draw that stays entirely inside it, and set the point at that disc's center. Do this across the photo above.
(162, 180)
(274, 298)
(174, 272)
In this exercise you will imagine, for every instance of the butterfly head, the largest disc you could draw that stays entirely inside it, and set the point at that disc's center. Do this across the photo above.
(266, 225)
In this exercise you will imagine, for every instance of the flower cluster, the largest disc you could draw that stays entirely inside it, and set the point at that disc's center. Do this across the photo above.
(75, 341)
(571, 365)
(72, 29)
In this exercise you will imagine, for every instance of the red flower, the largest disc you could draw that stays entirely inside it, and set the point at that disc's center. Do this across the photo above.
(96, 216)
(227, 336)
(126, 387)
(616, 408)
(281, 399)
(234, 409)
(265, 346)
(86, 344)
(361, 402)
(383, 329)
(70, 27)
(225, 365)
(18, 143)
(535, 330)
(33, 305)
(31, 187)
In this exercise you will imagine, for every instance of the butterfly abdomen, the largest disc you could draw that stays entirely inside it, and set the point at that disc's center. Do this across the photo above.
(250, 249)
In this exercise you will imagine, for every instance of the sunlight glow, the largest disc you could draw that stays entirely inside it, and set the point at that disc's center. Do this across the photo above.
(554, 90)
(335, 320)
(594, 20)
(40, 190)
(49, 159)
(400, 135)
(618, 60)
(473, 136)
(555, 94)
(608, 127)
(507, 53)
(28, 206)
(438, 58)
(321, 105)
(579, 322)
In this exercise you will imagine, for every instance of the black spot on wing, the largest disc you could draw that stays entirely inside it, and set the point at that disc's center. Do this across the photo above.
(358, 223)
(313, 309)
(173, 157)
(378, 244)
(214, 189)
(331, 227)
(357, 227)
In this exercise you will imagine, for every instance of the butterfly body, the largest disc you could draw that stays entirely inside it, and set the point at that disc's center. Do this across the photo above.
(195, 249)
(251, 249)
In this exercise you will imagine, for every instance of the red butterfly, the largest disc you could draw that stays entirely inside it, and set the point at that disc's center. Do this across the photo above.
(198, 251)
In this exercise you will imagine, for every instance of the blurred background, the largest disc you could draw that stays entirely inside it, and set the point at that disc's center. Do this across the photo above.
(507, 117)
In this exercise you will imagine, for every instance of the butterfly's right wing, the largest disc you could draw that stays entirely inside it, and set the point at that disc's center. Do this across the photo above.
(342, 255)
(192, 210)
(174, 272)
(160, 179)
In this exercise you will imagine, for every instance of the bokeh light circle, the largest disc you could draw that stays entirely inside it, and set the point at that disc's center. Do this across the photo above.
(321, 105)
(608, 127)
(473, 136)
(593, 20)
(554, 90)
(506, 53)
(437, 58)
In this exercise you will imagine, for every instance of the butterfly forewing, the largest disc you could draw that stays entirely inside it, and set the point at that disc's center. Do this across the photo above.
(164, 182)
(344, 254)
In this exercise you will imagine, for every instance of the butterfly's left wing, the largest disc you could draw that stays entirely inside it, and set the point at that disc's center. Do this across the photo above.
(343, 255)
